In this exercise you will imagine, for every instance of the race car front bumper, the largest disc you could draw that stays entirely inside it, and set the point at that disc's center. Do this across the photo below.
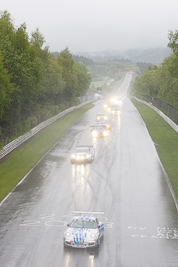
(80, 244)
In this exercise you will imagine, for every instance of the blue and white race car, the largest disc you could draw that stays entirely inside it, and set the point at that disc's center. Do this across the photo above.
(105, 124)
(84, 231)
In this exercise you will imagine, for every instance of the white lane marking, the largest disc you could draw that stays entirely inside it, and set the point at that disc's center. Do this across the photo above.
(160, 232)
(30, 223)
(47, 216)
(108, 225)
(56, 223)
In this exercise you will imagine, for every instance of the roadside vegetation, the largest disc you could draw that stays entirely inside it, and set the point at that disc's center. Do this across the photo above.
(15, 166)
(165, 140)
(34, 85)
(162, 81)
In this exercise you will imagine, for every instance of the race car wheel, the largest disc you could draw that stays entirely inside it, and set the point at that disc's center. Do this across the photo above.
(102, 235)
(98, 243)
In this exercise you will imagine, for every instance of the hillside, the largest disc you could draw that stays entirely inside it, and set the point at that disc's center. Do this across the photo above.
(153, 56)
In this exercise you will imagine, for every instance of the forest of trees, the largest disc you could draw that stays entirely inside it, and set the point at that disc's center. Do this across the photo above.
(34, 85)
(161, 82)
(102, 69)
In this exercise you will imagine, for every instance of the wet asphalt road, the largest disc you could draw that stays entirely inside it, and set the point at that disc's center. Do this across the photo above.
(125, 181)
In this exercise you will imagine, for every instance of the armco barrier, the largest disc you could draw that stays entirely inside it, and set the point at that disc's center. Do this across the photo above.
(166, 118)
(23, 138)
(167, 109)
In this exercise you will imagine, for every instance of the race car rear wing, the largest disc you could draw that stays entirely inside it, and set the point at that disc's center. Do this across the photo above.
(85, 146)
(97, 126)
(80, 212)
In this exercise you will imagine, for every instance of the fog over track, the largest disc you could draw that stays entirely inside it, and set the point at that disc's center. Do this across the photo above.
(125, 180)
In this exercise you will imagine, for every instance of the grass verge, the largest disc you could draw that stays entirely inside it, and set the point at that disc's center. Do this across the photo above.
(165, 139)
(20, 162)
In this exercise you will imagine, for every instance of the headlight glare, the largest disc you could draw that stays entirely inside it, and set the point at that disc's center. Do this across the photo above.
(67, 234)
(105, 133)
(94, 134)
(93, 235)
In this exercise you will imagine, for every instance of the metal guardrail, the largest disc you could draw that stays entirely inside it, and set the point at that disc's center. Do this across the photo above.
(166, 108)
(23, 138)
(166, 118)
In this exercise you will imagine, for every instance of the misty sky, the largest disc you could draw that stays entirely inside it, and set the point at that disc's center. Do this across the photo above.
(97, 25)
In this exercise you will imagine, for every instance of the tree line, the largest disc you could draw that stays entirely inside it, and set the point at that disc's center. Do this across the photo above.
(34, 85)
(161, 81)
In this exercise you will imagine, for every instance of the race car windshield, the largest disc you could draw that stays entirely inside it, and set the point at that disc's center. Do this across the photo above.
(84, 224)
(85, 149)
(99, 128)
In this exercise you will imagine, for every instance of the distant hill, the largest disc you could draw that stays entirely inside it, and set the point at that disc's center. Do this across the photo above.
(80, 59)
(84, 60)
(153, 56)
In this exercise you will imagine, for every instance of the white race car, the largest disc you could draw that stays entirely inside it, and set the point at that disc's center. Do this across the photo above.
(115, 110)
(84, 231)
(98, 131)
(101, 117)
(82, 154)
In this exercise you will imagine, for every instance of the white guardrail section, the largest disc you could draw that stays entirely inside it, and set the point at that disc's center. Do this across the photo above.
(23, 138)
(166, 118)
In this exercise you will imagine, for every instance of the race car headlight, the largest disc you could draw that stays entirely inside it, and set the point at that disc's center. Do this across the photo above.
(73, 156)
(105, 133)
(67, 234)
(120, 102)
(78, 157)
(94, 134)
(93, 236)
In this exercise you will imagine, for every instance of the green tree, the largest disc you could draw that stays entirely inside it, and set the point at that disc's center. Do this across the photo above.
(82, 79)
(66, 61)
(21, 63)
(173, 44)
(6, 89)
(147, 84)
(168, 83)
(52, 84)
(173, 41)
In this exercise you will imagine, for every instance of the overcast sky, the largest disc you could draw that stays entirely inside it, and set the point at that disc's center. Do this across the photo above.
(97, 25)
